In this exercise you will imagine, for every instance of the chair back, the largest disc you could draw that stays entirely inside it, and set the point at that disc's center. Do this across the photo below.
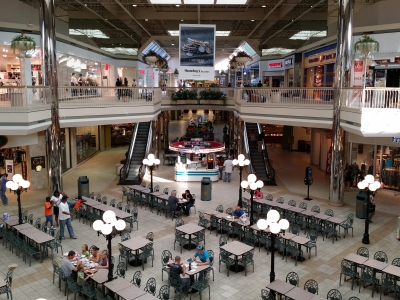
(211, 254)
(303, 205)
(163, 294)
(292, 203)
(112, 203)
(9, 278)
(179, 222)
(166, 256)
(128, 208)
(98, 198)
(222, 241)
(157, 188)
(121, 269)
(334, 294)
(316, 209)
(381, 256)
(311, 286)
(293, 278)
(329, 212)
(137, 278)
(150, 236)
(295, 229)
(104, 200)
(396, 262)
(269, 197)
(30, 219)
(91, 195)
(312, 235)
(125, 236)
(150, 286)
(86, 288)
(229, 211)
(280, 200)
(267, 295)
(220, 208)
(119, 205)
(363, 252)
(165, 191)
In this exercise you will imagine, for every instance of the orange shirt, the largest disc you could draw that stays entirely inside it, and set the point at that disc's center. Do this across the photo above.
(47, 209)
(78, 204)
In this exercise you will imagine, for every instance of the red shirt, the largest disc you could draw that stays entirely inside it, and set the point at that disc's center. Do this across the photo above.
(47, 209)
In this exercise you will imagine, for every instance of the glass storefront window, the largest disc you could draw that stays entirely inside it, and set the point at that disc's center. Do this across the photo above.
(87, 142)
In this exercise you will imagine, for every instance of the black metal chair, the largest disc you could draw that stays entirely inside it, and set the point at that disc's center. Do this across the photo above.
(293, 278)
(334, 294)
(363, 252)
(368, 276)
(311, 286)
(348, 269)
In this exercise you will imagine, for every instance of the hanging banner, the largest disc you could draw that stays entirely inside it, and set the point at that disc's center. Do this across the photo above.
(196, 51)
(358, 73)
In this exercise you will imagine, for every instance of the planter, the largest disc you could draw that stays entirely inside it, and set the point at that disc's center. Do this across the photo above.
(242, 60)
(21, 55)
(366, 48)
(28, 55)
(24, 46)
(164, 70)
(151, 59)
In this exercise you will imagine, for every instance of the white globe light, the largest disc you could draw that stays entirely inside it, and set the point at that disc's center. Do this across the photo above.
(156, 161)
(241, 163)
(97, 225)
(274, 228)
(17, 178)
(113, 221)
(10, 185)
(260, 184)
(235, 162)
(25, 184)
(361, 185)
(145, 161)
(106, 229)
(109, 216)
(244, 184)
(251, 178)
(241, 157)
(246, 162)
(372, 188)
(15, 186)
(262, 224)
(120, 225)
(369, 179)
(150, 156)
(377, 184)
(284, 224)
(253, 186)
(273, 215)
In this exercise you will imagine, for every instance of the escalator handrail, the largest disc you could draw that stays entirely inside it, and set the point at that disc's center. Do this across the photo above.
(268, 168)
(125, 169)
(142, 171)
(247, 149)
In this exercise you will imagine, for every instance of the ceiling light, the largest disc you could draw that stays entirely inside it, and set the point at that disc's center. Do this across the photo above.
(197, 2)
(222, 33)
(146, 20)
(264, 6)
(307, 34)
(275, 51)
(106, 19)
(119, 50)
(172, 44)
(85, 4)
(92, 33)
(252, 20)
(173, 32)
(177, 5)
(134, 5)
(231, 2)
(181, 20)
(165, 2)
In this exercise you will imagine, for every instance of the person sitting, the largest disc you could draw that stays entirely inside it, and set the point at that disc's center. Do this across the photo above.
(179, 268)
(95, 256)
(258, 194)
(204, 258)
(174, 203)
(238, 212)
(190, 202)
(68, 267)
(81, 275)
(78, 203)
(104, 263)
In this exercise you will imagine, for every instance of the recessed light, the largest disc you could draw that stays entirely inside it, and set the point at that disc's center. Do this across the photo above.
(85, 4)
(181, 20)
(134, 5)
(172, 44)
(146, 20)
(177, 5)
(252, 20)
(264, 6)
(106, 19)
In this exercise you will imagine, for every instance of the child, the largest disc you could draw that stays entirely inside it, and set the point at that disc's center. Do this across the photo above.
(78, 203)
(48, 212)
(81, 275)
(104, 260)
(85, 250)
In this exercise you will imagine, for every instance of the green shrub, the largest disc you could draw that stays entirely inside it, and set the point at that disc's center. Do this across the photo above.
(185, 95)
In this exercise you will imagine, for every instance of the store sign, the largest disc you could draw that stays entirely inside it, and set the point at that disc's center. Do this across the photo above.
(275, 65)
(395, 139)
(38, 161)
(321, 59)
(358, 73)
(288, 61)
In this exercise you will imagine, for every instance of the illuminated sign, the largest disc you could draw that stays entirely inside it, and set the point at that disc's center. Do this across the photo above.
(288, 61)
(322, 58)
(395, 139)
(275, 65)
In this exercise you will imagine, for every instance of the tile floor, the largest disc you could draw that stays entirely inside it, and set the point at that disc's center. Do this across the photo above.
(36, 282)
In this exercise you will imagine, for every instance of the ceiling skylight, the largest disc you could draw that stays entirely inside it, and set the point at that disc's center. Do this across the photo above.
(154, 46)
(92, 33)
(120, 50)
(173, 32)
(217, 33)
(201, 2)
(247, 48)
(231, 2)
(198, 2)
(276, 51)
(307, 34)
(165, 1)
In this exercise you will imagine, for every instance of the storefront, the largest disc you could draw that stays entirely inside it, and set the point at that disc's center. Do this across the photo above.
(292, 70)
(319, 68)
(273, 72)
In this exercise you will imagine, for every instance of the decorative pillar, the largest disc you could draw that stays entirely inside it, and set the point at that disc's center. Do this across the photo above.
(26, 78)
(342, 80)
(49, 67)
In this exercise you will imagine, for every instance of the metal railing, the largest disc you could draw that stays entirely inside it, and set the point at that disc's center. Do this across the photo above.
(288, 96)
(371, 98)
(124, 172)
(268, 168)
(22, 98)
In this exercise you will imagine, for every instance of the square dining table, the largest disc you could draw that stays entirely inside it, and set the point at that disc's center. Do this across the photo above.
(299, 294)
(300, 240)
(147, 296)
(190, 229)
(118, 284)
(23, 226)
(39, 238)
(131, 293)
(280, 286)
(100, 277)
(135, 244)
(211, 212)
(355, 258)
(237, 249)
(392, 270)
(375, 264)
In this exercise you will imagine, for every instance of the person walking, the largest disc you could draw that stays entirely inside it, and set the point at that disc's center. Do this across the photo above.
(65, 219)
(4, 198)
(220, 165)
(228, 165)
(118, 83)
(48, 213)
(56, 200)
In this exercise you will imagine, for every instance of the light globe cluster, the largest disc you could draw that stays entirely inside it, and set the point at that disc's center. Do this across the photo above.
(151, 160)
(241, 162)
(370, 183)
(17, 181)
(110, 220)
(274, 222)
(252, 183)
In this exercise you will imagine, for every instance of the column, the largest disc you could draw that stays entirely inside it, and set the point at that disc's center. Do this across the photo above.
(74, 152)
(49, 65)
(26, 79)
(342, 80)
(38, 179)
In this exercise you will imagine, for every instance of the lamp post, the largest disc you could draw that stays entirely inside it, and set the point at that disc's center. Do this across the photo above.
(253, 184)
(17, 185)
(152, 163)
(372, 185)
(241, 163)
(276, 225)
(107, 229)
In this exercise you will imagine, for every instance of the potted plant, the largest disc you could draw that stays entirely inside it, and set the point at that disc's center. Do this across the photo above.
(164, 68)
(232, 63)
(151, 57)
(23, 42)
(366, 44)
(242, 57)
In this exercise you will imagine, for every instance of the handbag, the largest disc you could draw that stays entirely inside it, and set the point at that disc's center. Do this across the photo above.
(243, 219)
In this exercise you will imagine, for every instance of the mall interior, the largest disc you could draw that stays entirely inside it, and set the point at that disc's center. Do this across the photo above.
(314, 108)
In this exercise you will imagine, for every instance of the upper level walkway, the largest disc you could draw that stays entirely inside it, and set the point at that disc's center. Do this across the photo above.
(24, 110)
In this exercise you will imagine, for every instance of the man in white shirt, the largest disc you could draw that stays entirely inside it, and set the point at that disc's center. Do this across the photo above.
(74, 82)
(228, 166)
(65, 218)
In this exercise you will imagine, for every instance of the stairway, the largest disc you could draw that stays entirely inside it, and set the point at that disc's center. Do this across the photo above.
(139, 145)
(259, 160)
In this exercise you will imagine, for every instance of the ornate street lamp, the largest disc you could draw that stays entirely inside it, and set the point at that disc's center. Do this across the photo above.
(241, 163)
(151, 162)
(109, 228)
(253, 184)
(372, 185)
(276, 225)
(17, 185)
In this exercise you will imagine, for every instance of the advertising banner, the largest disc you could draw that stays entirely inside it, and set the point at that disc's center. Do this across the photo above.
(196, 51)
(358, 73)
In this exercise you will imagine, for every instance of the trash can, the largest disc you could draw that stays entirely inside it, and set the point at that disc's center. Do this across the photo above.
(362, 198)
(83, 186)
(206, 186)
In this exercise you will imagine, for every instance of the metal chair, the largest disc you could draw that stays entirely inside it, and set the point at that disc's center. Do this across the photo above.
(163, 294)
(180, 238)
(334, 294)
(112, 203)
(222, 241)
(30, 219)
(225, 259)
(88, 290)
(280, 200)
(292, 203)
(124, 193)
(56, 270)
(179, 222)
(73, 286)
(214, 223)
(329, 212)
(363, 252)
(175, 281)
(119, 205)
(121, 270)
(237, 230)
(202, 284)
(150, 286)
(199, 237)
(303, 205)
(381, 256)
(293, 278)
(104, 200)
(64, 279)
(150, 236)
(125, 254)
(91, 195)
(368, 276)
(220, 208)
(166, 256)
(348, 269)
(311, 286)
(156, 188)
(263, 239)
(147, 251)
(396, 262)
(137, 278)
(25, 216)
(7, 288)
(269, 197)
(202, 218)
(329, 228)
(316, 209)
(125, 236)
(37, 223)
(348, 224)
(267, 295)
(202, 223)
(247, 258)
(313, 236)
(389, 285)
(293, 249)
(165, 191)
(98, 198)
(229, 211)
(295, 229)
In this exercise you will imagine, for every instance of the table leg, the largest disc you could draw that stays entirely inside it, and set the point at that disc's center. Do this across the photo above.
(300, 258)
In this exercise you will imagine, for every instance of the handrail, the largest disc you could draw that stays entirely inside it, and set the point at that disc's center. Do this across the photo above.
(247, 148)
(142, 171)
(125, 169)
(269, 170)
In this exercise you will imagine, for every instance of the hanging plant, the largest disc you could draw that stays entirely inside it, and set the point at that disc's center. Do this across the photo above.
(153, 57)
(23, 42)
(366, 44)
(242, 54)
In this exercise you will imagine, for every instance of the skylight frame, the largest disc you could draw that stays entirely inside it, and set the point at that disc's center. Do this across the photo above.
(307, 34)
(91, 33)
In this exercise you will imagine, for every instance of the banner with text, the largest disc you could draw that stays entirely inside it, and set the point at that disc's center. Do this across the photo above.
(196, 51)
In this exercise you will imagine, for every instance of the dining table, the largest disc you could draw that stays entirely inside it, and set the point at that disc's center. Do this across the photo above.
(2, 283)
(336, 221)
(146, 296)
(131, 292)
(392, 270)
(189, 229)
(300, 240)
(237, 249)
(100, 277)
(118, 284)
(135, 244)
(299, 294)
(41, 239)
(279, 286)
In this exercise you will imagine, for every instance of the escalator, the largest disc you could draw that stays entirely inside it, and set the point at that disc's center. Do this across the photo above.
(259, 160)
(138, 150)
